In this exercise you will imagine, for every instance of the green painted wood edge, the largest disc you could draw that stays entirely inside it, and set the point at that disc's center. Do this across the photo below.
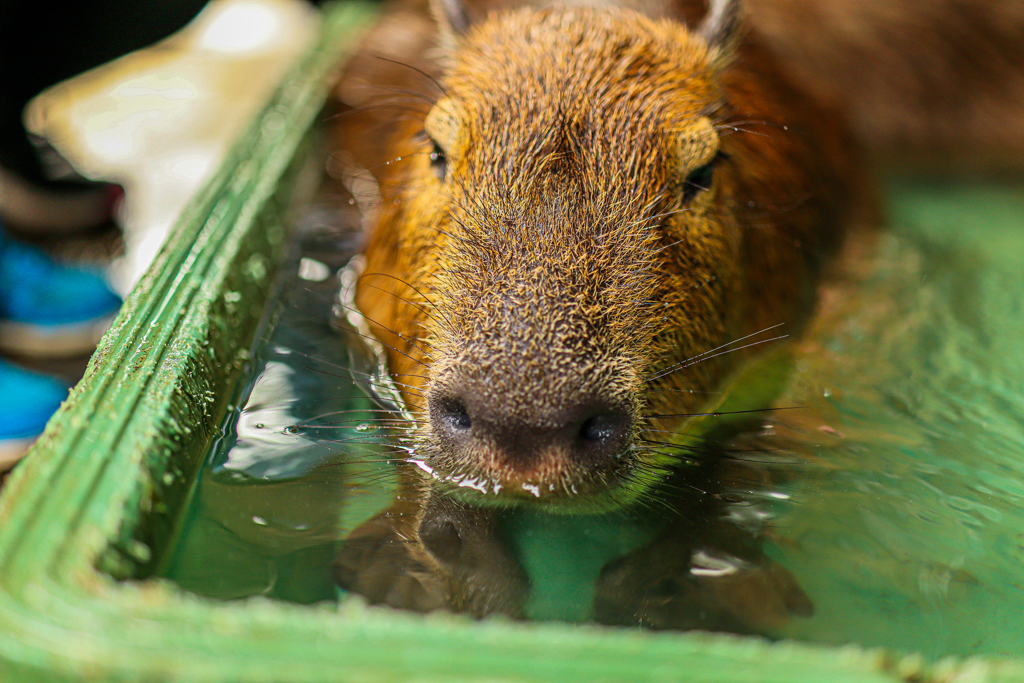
(125, 446)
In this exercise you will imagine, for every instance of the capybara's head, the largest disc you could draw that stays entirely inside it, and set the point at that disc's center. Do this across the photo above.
(597, 210)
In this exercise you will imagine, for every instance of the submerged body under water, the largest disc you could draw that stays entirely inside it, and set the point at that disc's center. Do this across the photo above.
(891, 491)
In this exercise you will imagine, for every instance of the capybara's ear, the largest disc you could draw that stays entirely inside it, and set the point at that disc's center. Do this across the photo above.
(452, 21)
(721, 29)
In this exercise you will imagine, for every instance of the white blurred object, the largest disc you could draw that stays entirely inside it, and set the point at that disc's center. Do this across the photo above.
(244, 27)
(312, 270)
(159, 121)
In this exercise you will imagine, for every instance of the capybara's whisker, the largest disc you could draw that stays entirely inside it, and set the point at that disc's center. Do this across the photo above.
(388, 329)
(416, 69)
(720, 414)
(419, 308)
(345, 328)
(705, 353)
(353, 379)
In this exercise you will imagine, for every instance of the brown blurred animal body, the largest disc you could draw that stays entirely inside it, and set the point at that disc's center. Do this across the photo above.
(933, 85)
(925, 84)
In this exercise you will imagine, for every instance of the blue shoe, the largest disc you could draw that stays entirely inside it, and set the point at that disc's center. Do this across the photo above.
(27, 400)
(49, 309)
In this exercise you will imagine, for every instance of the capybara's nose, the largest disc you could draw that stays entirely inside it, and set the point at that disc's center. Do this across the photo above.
(583, 428)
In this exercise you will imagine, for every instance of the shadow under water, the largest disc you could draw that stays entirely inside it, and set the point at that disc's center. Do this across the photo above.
(884, 509)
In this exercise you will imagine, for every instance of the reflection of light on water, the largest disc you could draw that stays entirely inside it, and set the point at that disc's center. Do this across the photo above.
(705, 564)
(313, 270)
(241, 27)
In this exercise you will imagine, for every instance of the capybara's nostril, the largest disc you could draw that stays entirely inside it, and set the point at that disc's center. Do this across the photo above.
(605, 426)
(448, 414)
(604, 433)
(580, 430)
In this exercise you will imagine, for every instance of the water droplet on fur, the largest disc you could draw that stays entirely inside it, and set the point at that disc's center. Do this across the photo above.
(532, 488)
(259, 520)
(364, 427)
(422, 465)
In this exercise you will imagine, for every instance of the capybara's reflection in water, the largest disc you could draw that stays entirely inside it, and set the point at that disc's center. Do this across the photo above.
(699, 563)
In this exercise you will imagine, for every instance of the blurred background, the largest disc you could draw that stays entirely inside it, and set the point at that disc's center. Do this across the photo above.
(157, 121)
(112, 115)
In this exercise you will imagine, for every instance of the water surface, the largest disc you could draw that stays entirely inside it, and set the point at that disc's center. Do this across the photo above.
(895, 495)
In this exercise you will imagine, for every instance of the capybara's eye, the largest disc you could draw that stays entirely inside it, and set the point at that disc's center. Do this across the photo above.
(438, 162)
(699, 180)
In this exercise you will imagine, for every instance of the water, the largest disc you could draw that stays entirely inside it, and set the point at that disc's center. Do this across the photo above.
(892, 496)
(266, 516)
(907, 530)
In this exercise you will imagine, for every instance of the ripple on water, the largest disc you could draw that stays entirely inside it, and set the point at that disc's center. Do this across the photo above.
(903, 522)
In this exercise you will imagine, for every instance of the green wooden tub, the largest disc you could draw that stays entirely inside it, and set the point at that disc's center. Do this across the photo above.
(104, 484)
